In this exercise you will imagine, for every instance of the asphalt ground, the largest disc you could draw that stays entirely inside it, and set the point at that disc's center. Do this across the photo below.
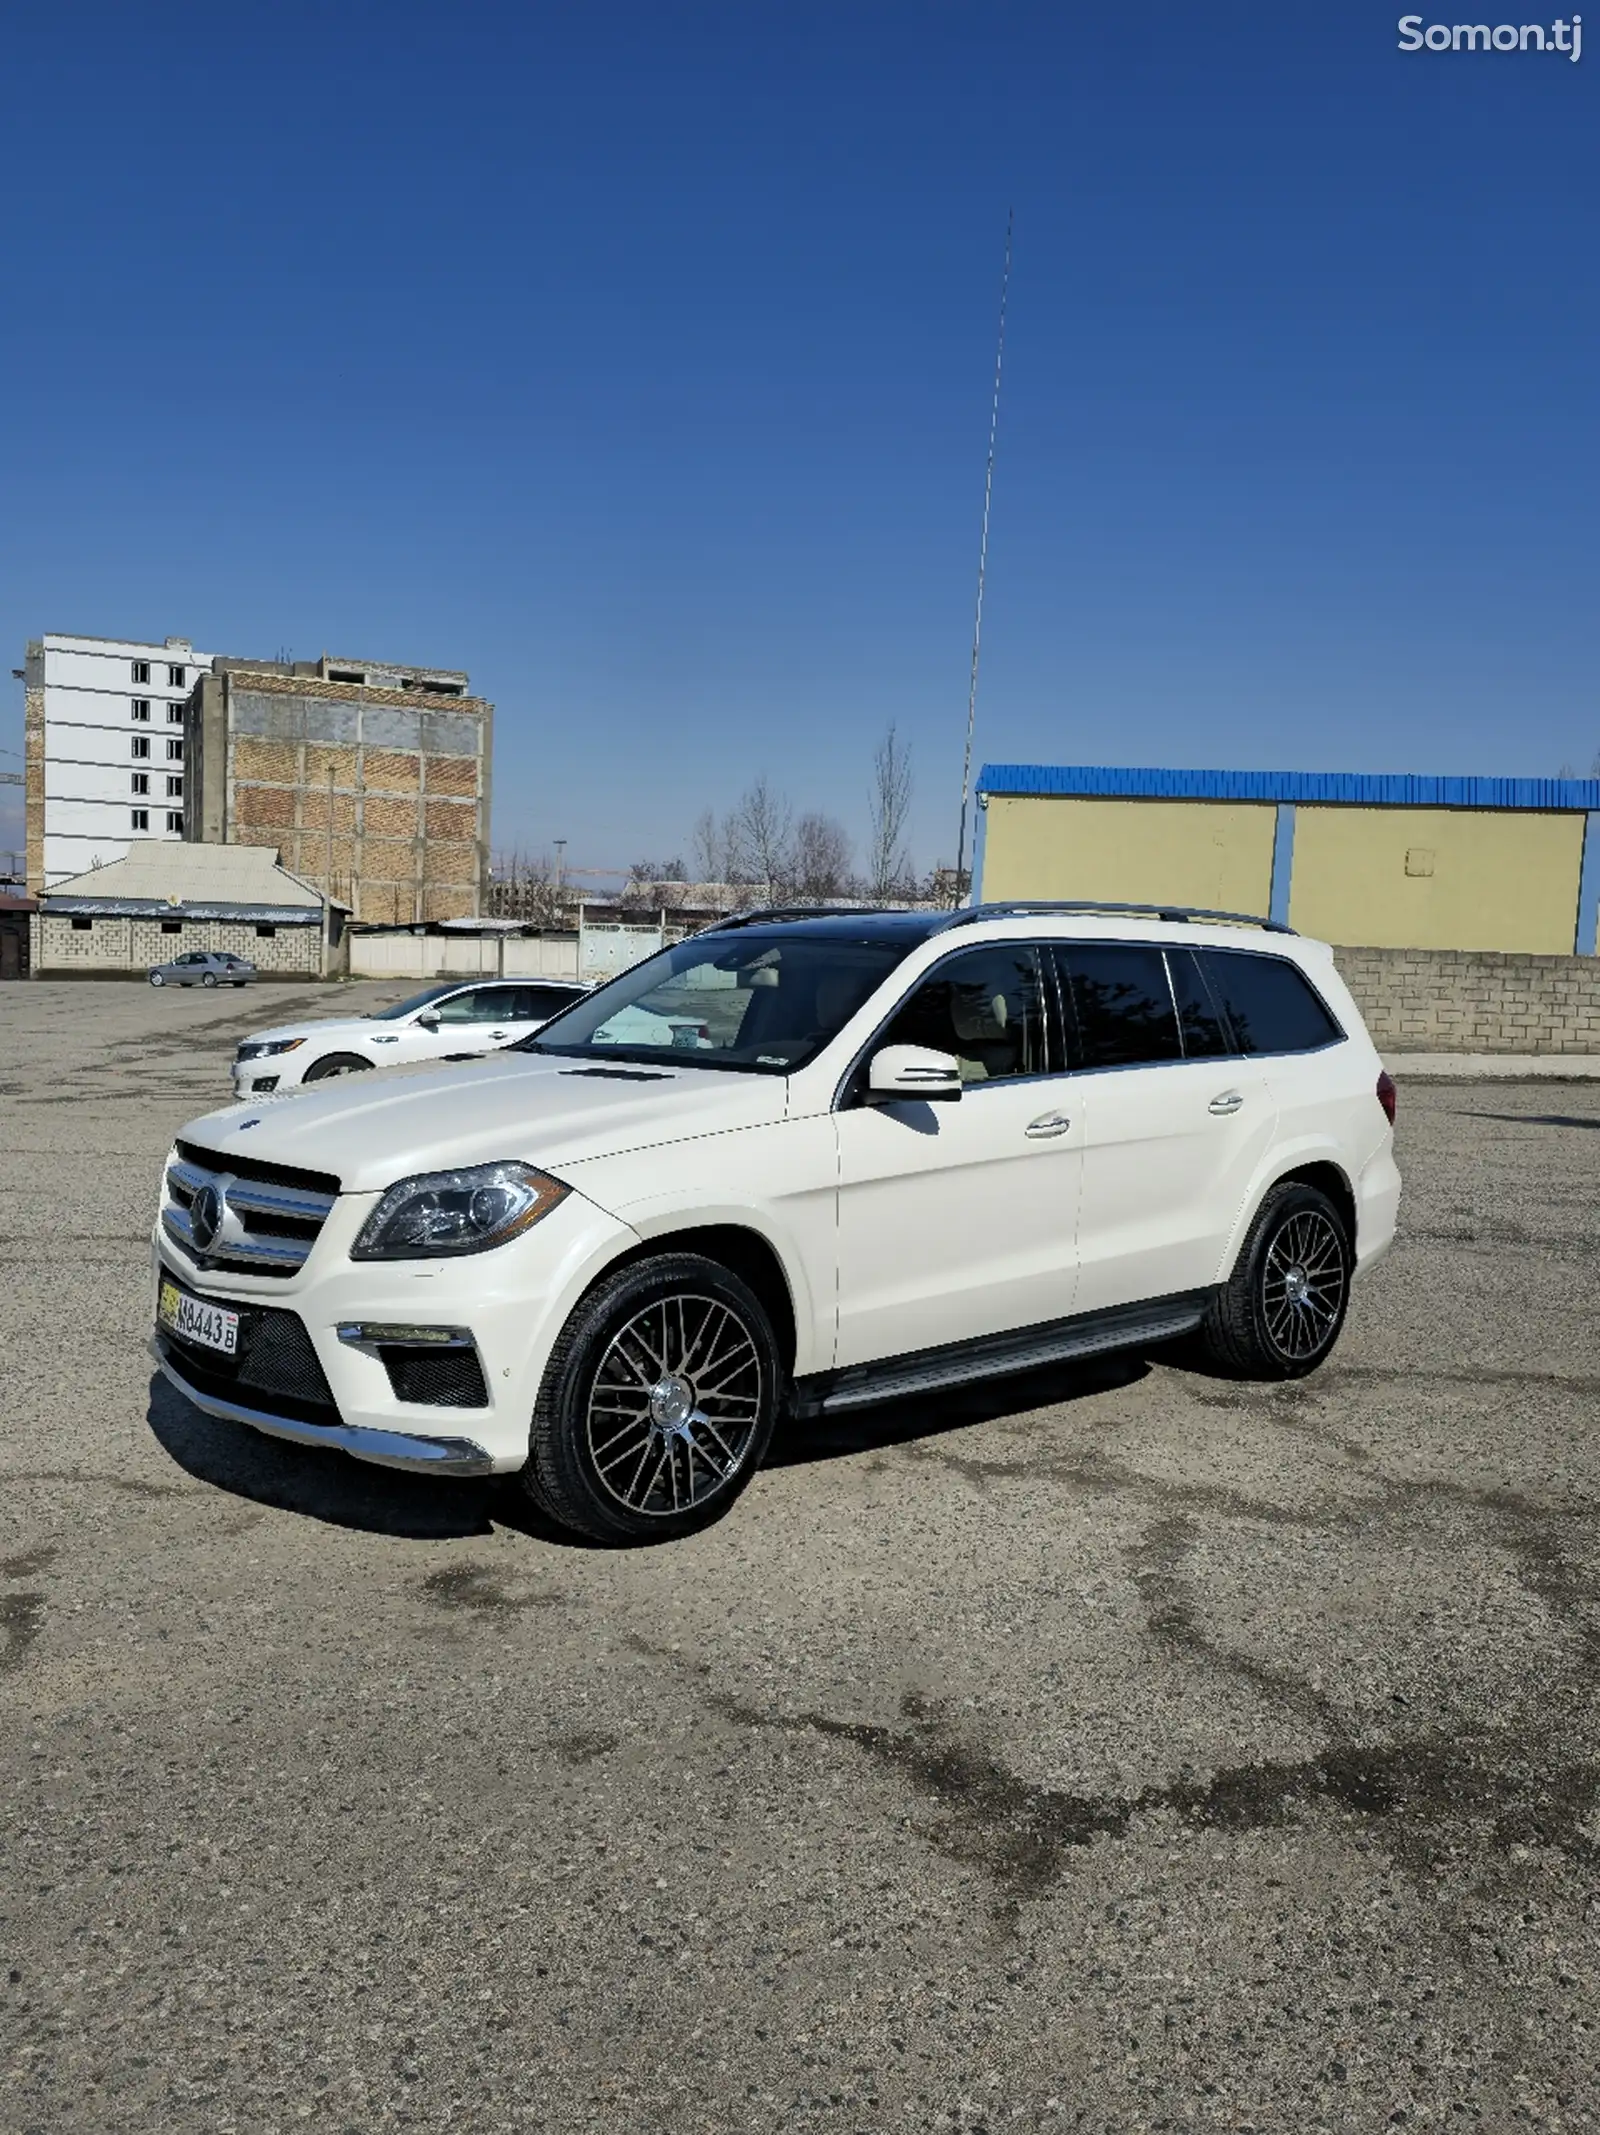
(1107, 1750)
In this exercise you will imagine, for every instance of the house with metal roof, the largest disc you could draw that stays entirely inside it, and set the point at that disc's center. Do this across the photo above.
(164, 899)
(1364, 860)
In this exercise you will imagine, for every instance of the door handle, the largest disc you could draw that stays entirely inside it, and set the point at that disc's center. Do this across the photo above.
(497, 1034)
(1229, 1101)
(1047, 1125)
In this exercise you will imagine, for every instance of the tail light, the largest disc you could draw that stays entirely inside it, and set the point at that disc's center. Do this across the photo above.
(1388, 1095)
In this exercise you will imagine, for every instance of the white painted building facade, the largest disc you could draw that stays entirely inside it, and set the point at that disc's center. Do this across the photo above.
(105, 748)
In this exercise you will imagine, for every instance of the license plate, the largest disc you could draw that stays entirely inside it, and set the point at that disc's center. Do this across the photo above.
(196, 1321)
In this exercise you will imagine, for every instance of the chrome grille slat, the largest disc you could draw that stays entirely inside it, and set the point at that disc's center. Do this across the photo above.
(245, 1194)
(273, 1253)
(276, 1248)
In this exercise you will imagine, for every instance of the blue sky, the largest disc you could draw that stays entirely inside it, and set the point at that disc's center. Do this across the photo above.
(637, 359)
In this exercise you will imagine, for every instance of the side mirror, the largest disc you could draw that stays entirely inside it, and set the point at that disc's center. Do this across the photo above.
(913, 1071)
(429, 1019)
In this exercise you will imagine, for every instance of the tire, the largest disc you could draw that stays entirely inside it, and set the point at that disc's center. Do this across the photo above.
(210, 979)
(158, 978)
(335, 1064)
(1279, 1314)
(698, 1443)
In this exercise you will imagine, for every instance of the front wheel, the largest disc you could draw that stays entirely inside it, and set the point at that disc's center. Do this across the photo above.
(657, 1404)
(1279, 1313)
(158, 978)
(335, 1064)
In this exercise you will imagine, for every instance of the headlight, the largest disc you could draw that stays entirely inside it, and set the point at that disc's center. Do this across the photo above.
(262, 1052)
(456, 1212)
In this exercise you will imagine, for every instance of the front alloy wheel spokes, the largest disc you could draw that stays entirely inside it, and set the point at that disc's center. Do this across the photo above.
(1303, 1284)
(674, 1405)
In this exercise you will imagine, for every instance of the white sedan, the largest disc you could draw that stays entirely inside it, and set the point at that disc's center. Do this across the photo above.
(453, 1022)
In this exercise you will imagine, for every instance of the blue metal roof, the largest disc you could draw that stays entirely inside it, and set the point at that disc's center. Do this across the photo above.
(1367, 789)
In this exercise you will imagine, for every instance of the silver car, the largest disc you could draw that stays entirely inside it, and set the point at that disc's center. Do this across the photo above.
(204, 967)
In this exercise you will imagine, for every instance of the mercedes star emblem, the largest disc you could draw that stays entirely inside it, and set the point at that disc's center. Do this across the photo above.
(205, 1217)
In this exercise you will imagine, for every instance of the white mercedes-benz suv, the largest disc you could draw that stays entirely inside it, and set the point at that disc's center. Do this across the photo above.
(800, 1161)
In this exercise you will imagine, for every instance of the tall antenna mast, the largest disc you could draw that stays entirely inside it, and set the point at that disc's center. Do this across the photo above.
(983, 562)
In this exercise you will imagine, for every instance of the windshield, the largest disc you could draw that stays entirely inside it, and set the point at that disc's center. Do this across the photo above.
(756, 1002)
(402, 1009)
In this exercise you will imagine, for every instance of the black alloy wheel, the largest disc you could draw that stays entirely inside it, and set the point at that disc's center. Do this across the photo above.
(658, 1402)
(1280, 1312)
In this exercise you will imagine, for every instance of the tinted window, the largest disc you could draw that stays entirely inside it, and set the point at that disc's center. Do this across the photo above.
(1271, 1005)
(535, 1001)
(1122, 1003)
(986, 1007)
(484, 1004)
(1204, 1035)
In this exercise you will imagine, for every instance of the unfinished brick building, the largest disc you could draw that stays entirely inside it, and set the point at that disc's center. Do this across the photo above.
(373, 781)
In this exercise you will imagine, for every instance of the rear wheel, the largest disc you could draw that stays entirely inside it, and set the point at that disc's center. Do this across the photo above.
(209, 979)
(335, 1064)
(658, 1403)
(1280, 1312)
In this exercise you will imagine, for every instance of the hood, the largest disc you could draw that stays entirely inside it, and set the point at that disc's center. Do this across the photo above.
(371, 1130)
(316, 1027)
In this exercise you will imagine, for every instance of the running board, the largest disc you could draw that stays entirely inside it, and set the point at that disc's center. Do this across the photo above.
(929, 1371)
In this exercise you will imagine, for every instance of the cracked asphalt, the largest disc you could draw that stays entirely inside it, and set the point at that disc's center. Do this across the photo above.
(1112, 1750)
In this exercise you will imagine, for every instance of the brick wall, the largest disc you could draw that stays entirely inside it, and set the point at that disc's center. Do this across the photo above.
(136, 944)
(409, 777)
(1475, 1001)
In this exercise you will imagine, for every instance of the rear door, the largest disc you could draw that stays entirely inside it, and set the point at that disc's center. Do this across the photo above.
(1279, 1020)
(538, 1003)
(1175, 1121)
(959, 1220)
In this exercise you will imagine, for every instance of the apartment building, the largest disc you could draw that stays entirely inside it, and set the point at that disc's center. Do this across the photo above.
(104, 747)
(372, 780)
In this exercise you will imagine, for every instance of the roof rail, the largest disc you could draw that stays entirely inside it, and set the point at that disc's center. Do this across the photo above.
(758, 915)
(1180, 914)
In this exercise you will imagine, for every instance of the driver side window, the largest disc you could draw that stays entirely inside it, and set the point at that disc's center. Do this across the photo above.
(459, 1008)
(987, 1007)
(484, 1004)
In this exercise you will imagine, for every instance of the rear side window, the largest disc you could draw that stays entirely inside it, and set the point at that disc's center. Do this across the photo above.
(545, 1000)
(1120, 1002)
(1272, 1005)
(1205, 1036)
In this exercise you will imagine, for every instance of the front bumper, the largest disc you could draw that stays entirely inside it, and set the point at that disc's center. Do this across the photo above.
(387, 1449)
(513, 1302)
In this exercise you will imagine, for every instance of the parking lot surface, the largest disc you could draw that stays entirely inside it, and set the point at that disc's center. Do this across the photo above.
(1105, 1750)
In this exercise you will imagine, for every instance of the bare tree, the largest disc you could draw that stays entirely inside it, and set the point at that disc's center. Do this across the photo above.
(654, 883)
(820, 870)
(711, 843)
(527, 887)
(888, 807)
(761, 838)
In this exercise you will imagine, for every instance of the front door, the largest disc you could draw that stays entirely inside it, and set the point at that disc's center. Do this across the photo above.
(959, 1219)
(479, 1019)
(1176, 1122)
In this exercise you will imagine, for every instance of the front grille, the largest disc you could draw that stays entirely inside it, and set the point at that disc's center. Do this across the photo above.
(270, 1213)
(438, 1378)
(274, 1368)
